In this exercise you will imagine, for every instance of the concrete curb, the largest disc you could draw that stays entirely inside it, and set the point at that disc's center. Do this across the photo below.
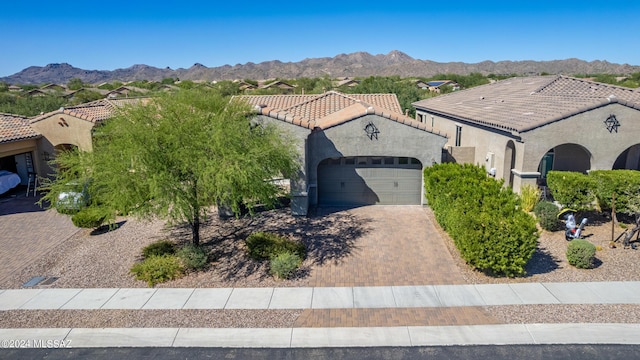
(402, 336)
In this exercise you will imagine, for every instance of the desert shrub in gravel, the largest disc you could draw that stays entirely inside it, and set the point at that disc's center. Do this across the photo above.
(161, 247)
(158, 268)
(92, 217)
(284, 264)
(581, 253)
(264, 245)
(192, 257)
(529, 196)
(547, 215)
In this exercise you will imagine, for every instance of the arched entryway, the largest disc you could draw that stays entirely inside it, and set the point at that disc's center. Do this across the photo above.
(565, 157)
(628, 159)
(509, 163)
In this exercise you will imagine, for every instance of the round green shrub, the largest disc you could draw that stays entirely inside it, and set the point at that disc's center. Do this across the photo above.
(284, 264)
(193, 257)
(264, 245)
(157, 269)
(581, 253)
(161, 247)
(91, 217)
(547, 214)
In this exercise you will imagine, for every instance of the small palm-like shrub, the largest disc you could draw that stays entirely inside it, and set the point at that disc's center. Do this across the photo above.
(284, 264)
(547, 214)
(581, 253)
(157, 269)
(264, 245)
(161, 247)
(529, 195)
(192, 257)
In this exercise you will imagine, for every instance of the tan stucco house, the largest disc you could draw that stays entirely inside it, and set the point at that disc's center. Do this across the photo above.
(28, 144)
(520, 128)
(18, 146)
(355, 149)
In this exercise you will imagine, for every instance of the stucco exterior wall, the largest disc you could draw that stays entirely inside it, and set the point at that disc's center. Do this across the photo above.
(589, 131)
(64, 129)
(392, 139)
(485, 141)
(350, 139)
(299, 185)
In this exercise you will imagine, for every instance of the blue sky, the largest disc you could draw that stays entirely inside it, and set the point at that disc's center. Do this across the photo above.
(108, 35)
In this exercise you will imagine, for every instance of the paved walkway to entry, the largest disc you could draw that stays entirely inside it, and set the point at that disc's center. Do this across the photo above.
(28, 232)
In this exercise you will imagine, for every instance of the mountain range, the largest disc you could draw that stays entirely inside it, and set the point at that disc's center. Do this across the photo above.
(358, 64)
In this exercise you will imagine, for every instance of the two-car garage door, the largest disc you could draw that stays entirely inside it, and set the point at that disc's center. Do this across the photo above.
(368, 180)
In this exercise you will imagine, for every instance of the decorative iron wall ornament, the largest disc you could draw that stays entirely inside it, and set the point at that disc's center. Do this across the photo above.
(372, 131)
(612, 123)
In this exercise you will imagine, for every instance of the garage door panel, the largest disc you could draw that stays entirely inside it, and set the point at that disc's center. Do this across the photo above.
(369, 184)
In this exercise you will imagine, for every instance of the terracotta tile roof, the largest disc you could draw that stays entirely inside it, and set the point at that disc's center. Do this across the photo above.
(14, 128)
(94, 111)
(329, 109)
(525, 103)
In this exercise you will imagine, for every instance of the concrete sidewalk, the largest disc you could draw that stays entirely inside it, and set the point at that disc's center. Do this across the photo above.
(627, 292)
(324, 298)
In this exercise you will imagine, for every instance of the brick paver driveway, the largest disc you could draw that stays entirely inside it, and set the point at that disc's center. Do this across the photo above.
(400, 246)
(27, 232)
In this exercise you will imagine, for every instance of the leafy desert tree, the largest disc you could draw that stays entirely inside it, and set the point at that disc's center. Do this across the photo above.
(85, 96)
(29, 105)
(227, 88)
(178, 154)
(75, 84)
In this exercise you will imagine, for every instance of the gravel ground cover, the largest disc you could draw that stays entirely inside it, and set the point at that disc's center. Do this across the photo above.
(103, 259)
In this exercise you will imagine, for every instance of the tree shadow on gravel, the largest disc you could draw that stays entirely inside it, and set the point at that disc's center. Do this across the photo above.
(541, 262)
(327, 237)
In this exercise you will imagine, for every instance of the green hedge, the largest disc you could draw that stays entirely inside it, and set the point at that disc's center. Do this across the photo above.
(595, 191)
(484, 219)
(624, 183)
(572, 189)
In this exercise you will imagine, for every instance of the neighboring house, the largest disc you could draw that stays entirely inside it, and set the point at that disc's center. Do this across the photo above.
(348, 82)
(355, 149)
(38, 92)
(283, 86)
(53, 88)
(520, 128)
(437, 85)
(14, 88)
(243, 85)
(73, 94)
(422, 84)
(71, 128)
(126, 91)
(18, 146)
